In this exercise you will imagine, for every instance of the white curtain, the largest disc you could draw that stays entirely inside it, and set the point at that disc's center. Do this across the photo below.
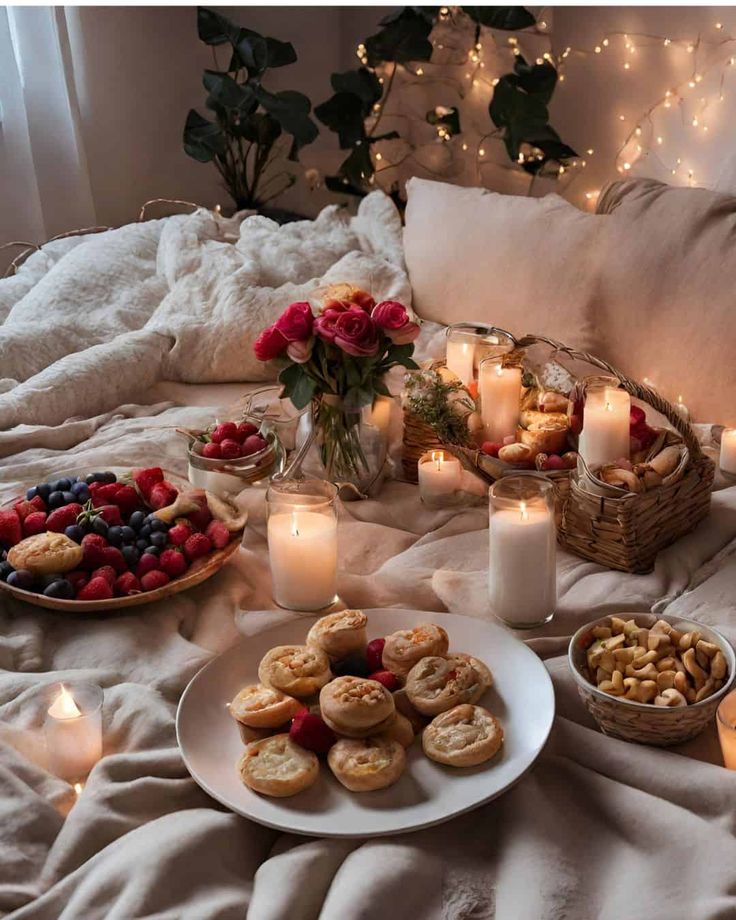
(44, 180)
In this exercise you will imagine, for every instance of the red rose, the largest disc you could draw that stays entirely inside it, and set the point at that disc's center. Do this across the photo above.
(356, 333)
(392, 317)
(324, 324)
(269, 344)
(295, 323)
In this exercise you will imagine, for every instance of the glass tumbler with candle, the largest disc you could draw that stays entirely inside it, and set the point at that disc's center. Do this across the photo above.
(302, 543)
(606, 422)
(727, 455)
(73, 728)
(440, 477)
(522, 576)
(500, 399)
(469, 343)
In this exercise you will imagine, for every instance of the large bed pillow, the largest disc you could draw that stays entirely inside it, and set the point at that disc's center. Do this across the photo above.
(524, 264)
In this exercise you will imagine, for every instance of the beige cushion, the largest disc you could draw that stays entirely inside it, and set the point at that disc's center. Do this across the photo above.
(524, 264)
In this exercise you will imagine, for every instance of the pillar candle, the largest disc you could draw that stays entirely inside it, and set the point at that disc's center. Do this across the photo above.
(302, 548)
(500, 396)
(459, 359)
(727, 461)
(606, 423)
(439, 474)
(73, 734)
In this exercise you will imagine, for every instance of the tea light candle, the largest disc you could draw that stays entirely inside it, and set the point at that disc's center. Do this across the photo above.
(500, 396)
(440, 474)
(73, 729)
(606, 423)
(727, 460)
(459, 359)
(302, 548)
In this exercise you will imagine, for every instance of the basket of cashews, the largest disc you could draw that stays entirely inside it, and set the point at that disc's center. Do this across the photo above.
(653, 680)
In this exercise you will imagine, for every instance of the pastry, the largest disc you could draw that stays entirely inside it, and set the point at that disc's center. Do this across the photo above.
(263, 707)
(463, 736)
(403, 649)
(363, 765)
(277, 766)
(356, 706)
(480, 668)
(405, 706)
(399, 730)
(339, 634)
(436, 684)
(298, 670)
(248, 734)
(46, 553)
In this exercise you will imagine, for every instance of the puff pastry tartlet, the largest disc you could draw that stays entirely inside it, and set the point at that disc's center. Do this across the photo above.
(298, 670)
(403, 649)
(258, 706)
(356, 706)
(277, 766)
(367, 764)
(399, 730)
(436, 684)
(340, 634)
(463, 736)
(46, 553)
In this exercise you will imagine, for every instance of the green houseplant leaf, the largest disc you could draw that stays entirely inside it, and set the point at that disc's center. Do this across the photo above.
(509, 18)
(203, 140)
(403, 38)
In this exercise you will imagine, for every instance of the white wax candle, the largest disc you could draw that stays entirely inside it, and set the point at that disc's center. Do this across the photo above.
(440, 475)
(459, 359)
(682, 409)
(302, 547)
(522, 582)
(73, 737)
(727, 461)
(606, 423)
(726, 722)
(500, 396)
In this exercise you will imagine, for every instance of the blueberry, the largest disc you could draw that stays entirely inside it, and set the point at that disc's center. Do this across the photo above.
(136, 519)
(115, 535)
(22, 579)
(5, 569)
(62, 485)
(80, 488)
(153, 550)
(74, 532)
(108, 477)
(31, 493)
(141, 545)
(99, 525)
(159, 539)
(69, 497)
(354, 665)
(90, 478)
(131, 555)
(128, 534)
(145, 531)
(44, 490)
(45, 580)
(158, 525)
(60, 588)
(56, 499)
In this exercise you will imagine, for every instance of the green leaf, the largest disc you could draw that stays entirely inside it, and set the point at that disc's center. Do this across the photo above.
(344, 114)
(536, 79)
(252, 50)
(358, 167)
(280, 53)
(290, 377)
(404, 38)
(509, 18)
(259, 128)
(203, 140)
(303, 392)
(362, 83)
(291, 109)
(215, 29)
(225, 92)
(380, 387)
(358, 396)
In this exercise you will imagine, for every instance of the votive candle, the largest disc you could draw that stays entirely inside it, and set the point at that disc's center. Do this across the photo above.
(439, 474)
(727, 459)
(606, 426)
(500, 398)
(73, 729)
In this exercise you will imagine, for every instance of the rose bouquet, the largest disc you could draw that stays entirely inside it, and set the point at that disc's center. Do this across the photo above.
(336, 360)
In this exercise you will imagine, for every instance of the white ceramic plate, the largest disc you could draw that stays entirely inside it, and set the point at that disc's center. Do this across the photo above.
(427, 793)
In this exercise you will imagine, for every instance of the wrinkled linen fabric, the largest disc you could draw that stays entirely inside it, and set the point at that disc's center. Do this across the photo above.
(598, 830)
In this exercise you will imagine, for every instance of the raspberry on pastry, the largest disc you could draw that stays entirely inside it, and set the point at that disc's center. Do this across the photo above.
(403, 649)
(258, 706)
(367, 764)
(278, 766)
(339, 634)
(298, 670)
(46, 553)
(463, 737)
(436, 684)
(356, 706)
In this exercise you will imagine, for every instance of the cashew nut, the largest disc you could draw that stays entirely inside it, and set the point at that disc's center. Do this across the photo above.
(658, 642)
(661, 626)
(602, 632)
(706, 690)
(648, 672)
(692, 666)
(718, 666)
(666, 664)
(614, 686)
(624, 656)
(681, 683)
(617, 625)
(708, 648)
(666, 680)
(632, 688)
(670, 698)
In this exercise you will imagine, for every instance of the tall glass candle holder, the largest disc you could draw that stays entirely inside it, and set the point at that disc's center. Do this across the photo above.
(468, 344)
(522, 538)
(727, 456)
(500, 399)
(302, 543)
(73, 728)
(606, 422)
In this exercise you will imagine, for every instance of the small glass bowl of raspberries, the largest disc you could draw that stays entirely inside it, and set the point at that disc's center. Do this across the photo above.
(228, 455)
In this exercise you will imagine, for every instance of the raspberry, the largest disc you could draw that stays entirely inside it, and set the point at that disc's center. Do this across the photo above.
(180, 533)
(94, 539)
(10, 529)
(126, 498)
(172, 562)
(113, 557)
(108, 492)
(200, 519)
(34, 523)
(110, 514)
(96, 589)
(25, 508)
(253, 444)
(162, 495)
(374, 654)
(92, 546)
(107, 572)
(223, 431)
(197, 546)
(389, 680)
(491, 448)
(245, 430)
(59, 520)
(637, 416)
(154, 579)
(78, 579)
(147, 479)
(212, 450)
(147, 563)
(218, 534)
(127, 584)
(308, 730)
(229, 449)
(554, 462)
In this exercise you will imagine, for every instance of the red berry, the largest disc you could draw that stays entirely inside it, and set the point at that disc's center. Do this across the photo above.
(212, 450)
(172, 562)
(96, 589)
(491, 448)
(61, 518)
(389, 680)
(34, 523)
(230, 449)
(94, 539)
(126, 584)
(374, 654)
(110, 514)
(107, 492)
(78, 579)
(107, 572)
(112, 556)
(154, 579)
(637, 416)
(126, 498)
(162, 495)
(223, 431)
(147, 563)
(180, 533)
(308, 730)
(10, 527)
(197, 545)
(147, 479)
(254, 444)
(218, 534)
(25, 508)
(245, 430)
(200, 519)
(555, 462)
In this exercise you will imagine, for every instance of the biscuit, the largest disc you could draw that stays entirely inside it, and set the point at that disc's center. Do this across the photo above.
(399, 730)
(46, 553)
(258, 706)
(278, 767)
(403, 649)
(340, 634)
(463, 737)
(355, 706)
(364, 765)
(297, 670)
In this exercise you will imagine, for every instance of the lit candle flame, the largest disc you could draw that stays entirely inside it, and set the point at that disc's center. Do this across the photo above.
(294, 528)
(64, 706)
(438, 456)
(679, 399)
(523, 512)
(78, 787)
(499, 370)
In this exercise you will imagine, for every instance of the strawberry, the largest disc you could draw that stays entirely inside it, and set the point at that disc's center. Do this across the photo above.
(96, 589)
(34, 523)
(200, 519)
(212, 450)
(114, 558)
(127, 584)
(78, 579)
(172, 562)
(126, 498)
(374, 654)
(230, 449)
(154, 579)
(64, 517)
(254, 444)
(389, 680)
(223, 431)
(197, 545)
(93, 546)
(25, 508)
(245, 430)
(162, 495)
(10, 529)
(107, 572)
(110, 514)
(147, 479)
(180, 532)
(108, 492)
(147, 563)
(310, 732)
(218, 534)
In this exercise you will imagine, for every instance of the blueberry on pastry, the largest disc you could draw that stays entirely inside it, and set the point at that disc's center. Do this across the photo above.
(339, 634)
(298, 670)
(277, 766)
(356, 706)
(403, 649)
(367, 764)
(463, 737)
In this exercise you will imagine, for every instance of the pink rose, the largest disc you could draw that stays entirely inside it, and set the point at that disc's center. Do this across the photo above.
(300, 352)
(324, 324)
(269, 344)
(356, 333)
(295, 323)
(392, 317)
